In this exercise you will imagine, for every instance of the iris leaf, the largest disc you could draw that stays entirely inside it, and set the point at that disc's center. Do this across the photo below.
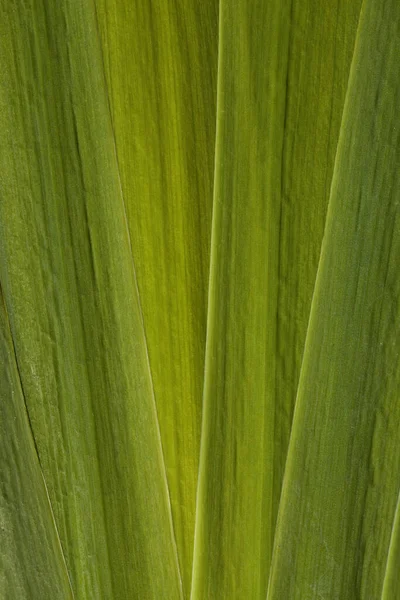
(282, 77)
(160, 61)
(31, 561)
(343, 470)
(391, 583)
(69, 285)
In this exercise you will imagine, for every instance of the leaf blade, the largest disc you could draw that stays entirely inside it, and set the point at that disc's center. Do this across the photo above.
(31, 559)
(163, 113)
(282, 80)
(341, 482)
(70, 289)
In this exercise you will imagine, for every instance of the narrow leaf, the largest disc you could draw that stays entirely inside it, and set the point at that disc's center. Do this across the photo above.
(160, 59)
(391, 584)
(31, 561)
(69, 285)
(343, 471)
(283, 70)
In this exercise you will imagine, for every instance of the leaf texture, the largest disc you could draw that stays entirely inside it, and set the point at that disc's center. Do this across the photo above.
(283, 71)
(343, 470)
(160, 60)
(31, 561)
(69, 285)
(391, 583)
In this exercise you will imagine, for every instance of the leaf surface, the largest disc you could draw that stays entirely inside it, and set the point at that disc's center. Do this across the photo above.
(343, 470)
(31, 561)
(391, 584)
(69, 285)
(283, 71)
(160, 60)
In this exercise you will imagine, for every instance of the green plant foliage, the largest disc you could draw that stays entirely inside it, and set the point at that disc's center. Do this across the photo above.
(31, 561)
(199, 300)
(283, 70)
(391, 583)
(160, 60)
(343, 471)
(69, 286)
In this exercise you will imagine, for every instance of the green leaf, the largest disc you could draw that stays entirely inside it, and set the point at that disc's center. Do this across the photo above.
(161, 60)
(31, 561)
(391, 583)
(343, 471)
(69, 285)
(283, 70)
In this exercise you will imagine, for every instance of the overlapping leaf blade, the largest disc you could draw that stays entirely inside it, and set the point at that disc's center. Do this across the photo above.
(31, 561)
(160, 60)
(283, 70)
(106, 155)
(343, 471)
(69, 285)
